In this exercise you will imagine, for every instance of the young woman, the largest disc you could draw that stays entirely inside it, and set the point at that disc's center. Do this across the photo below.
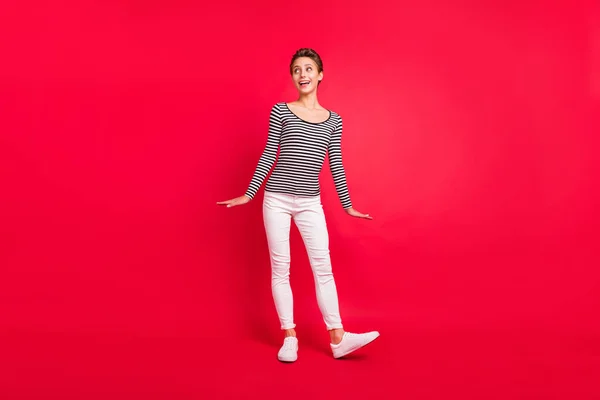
(304, 132)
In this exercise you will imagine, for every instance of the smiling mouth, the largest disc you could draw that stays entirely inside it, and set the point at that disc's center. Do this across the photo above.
(304, 83)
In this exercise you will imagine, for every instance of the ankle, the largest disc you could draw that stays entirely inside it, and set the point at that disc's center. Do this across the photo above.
(290, 332)
(336, 335)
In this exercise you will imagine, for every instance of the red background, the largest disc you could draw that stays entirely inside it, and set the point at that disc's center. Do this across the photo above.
(470, 136)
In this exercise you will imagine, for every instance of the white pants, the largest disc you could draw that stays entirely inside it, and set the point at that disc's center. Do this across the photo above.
(307, 212)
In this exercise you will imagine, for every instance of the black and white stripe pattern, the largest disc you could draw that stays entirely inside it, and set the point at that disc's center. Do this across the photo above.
(302, 147)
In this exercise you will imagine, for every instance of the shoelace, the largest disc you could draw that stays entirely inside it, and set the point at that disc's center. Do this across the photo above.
(288, 344)
(355, 336)
(351, 335)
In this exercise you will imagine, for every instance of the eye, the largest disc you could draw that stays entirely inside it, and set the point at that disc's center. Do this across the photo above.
(309, 68)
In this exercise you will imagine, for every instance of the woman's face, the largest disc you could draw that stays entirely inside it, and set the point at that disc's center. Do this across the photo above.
(306, 75)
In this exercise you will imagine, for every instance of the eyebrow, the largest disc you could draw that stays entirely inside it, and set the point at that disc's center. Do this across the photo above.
(309, 64)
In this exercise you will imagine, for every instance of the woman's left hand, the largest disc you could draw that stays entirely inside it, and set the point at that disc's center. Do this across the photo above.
(354, 213)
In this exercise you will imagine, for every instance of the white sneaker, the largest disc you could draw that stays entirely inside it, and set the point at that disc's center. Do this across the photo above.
(352, 342)
(289, 350)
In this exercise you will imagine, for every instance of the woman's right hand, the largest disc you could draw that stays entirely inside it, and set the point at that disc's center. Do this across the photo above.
(238, 201)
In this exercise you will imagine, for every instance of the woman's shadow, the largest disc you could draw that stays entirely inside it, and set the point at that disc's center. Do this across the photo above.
(255, 300)
(250, 275)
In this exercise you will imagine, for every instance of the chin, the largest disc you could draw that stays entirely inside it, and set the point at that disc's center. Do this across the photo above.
(306, 91)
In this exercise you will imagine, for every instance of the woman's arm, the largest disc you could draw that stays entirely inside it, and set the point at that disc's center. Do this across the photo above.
(267, 159)
(337, 171)
(337, 167)
(265, 163)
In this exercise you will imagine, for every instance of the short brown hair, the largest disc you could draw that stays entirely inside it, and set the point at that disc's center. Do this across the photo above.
(310, 53)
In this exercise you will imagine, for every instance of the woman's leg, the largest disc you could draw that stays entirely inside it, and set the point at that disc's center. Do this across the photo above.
(310, 220)
(277, 220)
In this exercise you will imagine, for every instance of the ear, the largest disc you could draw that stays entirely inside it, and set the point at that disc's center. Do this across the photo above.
(320, 76)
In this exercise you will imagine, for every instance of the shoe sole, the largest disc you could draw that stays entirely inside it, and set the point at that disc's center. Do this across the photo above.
(287, 361)
(358, 348)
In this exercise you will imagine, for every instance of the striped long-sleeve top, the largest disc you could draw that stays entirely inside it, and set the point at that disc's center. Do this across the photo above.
(302, 147)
